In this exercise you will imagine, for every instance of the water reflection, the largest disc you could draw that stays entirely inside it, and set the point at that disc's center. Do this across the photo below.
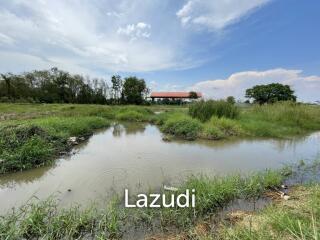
(127, 128)
(135, 156)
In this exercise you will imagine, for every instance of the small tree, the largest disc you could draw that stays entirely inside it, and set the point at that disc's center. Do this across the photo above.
(193, 95)
(116, 87)
(231, 100)
(271, 93)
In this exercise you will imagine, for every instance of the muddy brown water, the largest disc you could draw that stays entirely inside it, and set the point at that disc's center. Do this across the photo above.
(134, 156)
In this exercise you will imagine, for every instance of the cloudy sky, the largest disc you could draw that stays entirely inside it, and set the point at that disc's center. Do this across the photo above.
(219, 47)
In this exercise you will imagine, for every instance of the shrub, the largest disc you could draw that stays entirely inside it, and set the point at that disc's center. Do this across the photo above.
(182, 126)
(204, 110)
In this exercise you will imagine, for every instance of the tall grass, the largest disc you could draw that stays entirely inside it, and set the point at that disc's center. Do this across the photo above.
(45, 221)
(280, 119)
(204, 110)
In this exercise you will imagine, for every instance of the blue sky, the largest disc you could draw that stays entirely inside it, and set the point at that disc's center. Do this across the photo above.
(217, 47)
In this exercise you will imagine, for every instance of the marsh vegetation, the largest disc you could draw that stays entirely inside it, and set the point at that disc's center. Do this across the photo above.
(34, 134)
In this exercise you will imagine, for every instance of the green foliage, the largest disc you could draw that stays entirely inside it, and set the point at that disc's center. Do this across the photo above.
(231, 100)
(117, 85)
(131, 116)
(280, 119)
(193, 95)
(52, 86)
(204, 110)
(298, 219)
(43, 219)
(39, 220)
(271, 93)
(134, 90)
(182, 126)
(36, 142)
(212, 132)
(22, 147)
(213, 194)
(229, 127)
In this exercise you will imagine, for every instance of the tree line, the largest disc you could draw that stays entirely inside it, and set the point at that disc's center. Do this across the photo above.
(57, 86)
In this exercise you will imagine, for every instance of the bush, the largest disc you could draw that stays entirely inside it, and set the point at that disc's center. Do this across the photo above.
(182, 126)
(204, 110)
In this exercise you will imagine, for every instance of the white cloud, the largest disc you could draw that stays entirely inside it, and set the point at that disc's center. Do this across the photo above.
(216, 14)
(83, 35)
(307, 87)
(19, 62)
(6, 40)
(135, 31)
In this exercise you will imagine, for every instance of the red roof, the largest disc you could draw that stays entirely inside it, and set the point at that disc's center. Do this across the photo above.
(172, 94)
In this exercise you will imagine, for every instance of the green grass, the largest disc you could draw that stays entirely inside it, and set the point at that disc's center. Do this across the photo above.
(213, 193)
(280, 120)
(218, 128)
(295, 219)
(30, 143)
(33, 134)
(204, 110)
(43, 219)
(181, 125)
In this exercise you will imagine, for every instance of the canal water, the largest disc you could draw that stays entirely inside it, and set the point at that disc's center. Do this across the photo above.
(134, 156)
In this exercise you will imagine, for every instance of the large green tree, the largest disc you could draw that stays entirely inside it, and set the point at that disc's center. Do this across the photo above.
(134, 90)
(270, 93)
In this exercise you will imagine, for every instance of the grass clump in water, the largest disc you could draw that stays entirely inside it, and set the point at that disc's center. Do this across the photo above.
(204, 110)
(183, 126)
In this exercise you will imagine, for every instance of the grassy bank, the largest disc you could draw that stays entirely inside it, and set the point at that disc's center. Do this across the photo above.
(44, 220)
(33, 135)
(279, 120)
(31, 143)
(295, 219)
